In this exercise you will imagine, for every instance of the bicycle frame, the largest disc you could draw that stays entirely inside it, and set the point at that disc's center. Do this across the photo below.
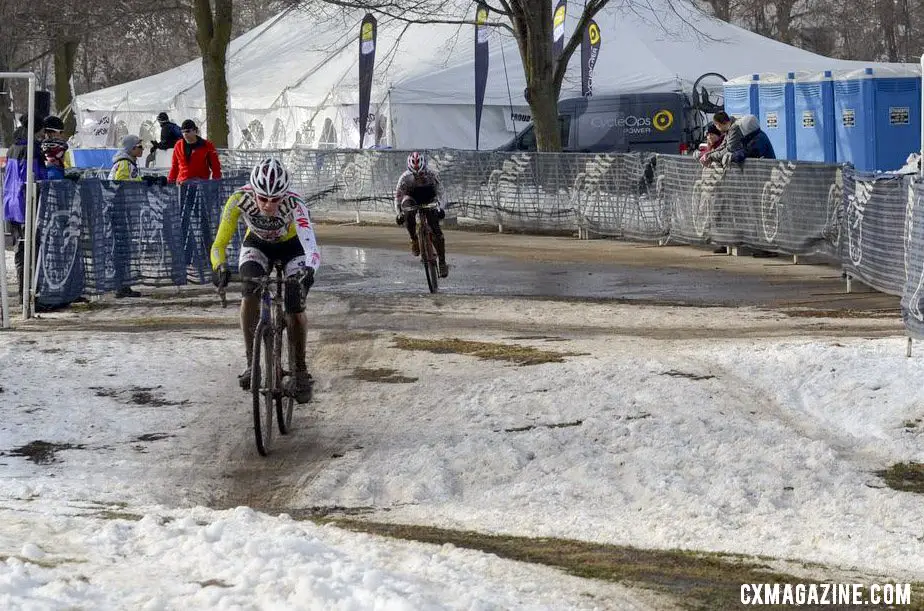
(272, 336)
(428, 255)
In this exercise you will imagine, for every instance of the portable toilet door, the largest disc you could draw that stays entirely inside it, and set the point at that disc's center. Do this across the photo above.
(742, 95)
(854, 125)
(813, 103)
(775, 103)
(897, 118)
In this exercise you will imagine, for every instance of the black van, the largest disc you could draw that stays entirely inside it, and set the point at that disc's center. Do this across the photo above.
(656, 122)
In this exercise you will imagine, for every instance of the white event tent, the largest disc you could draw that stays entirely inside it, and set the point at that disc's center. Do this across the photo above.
(294, 79)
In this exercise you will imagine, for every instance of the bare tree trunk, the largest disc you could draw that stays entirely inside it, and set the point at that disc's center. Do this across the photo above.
(533, 21)
(65, 58)
(213, 33)
(784, 9)
(721, 9)
(885, 10)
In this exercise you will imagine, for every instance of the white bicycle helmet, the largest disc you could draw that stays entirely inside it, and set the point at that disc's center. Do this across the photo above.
(416, 162)
(269, 178)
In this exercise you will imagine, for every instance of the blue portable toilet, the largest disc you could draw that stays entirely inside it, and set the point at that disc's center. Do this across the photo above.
(813, 102)
(877, 117)
(776, 113)
(742, 95)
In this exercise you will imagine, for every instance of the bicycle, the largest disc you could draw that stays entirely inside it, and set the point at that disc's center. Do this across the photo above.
(428, 255)
(271, 341)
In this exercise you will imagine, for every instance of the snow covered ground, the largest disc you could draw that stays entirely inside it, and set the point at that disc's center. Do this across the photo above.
(712, 429)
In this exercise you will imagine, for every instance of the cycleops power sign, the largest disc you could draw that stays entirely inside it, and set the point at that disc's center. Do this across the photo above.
(661, 121)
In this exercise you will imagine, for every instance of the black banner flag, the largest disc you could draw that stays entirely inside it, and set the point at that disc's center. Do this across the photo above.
(367, 33)
(558, 29)
(590, 49)
(481, 65)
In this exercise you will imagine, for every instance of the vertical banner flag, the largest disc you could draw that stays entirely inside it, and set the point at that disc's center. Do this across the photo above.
(481, 65)
(367, 33)
(558, 29)
(590, 49)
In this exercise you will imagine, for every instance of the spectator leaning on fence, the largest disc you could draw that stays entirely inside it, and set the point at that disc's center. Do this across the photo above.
(743, 139)
(125, 162)
(14, 186)
(194, 157)
(714, 139)
(54, 147)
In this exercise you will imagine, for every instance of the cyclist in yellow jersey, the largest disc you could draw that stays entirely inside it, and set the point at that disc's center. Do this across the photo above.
(278, 229)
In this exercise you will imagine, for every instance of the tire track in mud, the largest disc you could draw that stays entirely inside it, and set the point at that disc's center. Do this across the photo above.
(322, 430)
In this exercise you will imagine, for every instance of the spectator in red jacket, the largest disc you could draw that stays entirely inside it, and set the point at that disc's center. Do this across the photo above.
(194, 157)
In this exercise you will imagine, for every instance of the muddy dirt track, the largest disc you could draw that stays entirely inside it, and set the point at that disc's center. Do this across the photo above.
(581, 295)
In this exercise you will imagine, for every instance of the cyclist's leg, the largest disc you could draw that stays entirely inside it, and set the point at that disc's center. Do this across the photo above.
(292, 256)
(439, 240)
(410, 222)
(253, 263)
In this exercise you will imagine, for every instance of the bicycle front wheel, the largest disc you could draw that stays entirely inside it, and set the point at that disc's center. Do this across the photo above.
(262, 387)
(284, 404)
(428, 256)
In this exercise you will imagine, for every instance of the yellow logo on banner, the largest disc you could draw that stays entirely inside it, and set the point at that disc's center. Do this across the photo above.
(559, 16)
(482, 17)
(594, 33)
(366, 33)
(663, 120)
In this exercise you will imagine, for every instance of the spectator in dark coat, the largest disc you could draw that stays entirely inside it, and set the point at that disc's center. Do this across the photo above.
(169, 133)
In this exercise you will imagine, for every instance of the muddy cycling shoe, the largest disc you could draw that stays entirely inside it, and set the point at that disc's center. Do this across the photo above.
(415, 248)
(244, 379)
(444, 269)
(299, 386)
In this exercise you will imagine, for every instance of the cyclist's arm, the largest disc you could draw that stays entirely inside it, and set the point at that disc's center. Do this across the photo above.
(401, 191)
(438, 186)
(226, 229)
(305, 233)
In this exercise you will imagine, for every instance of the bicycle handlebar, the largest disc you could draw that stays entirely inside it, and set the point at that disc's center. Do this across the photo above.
(409, 207)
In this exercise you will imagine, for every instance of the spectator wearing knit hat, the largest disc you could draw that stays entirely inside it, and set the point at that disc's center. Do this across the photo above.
(125, 162)
(194, 157)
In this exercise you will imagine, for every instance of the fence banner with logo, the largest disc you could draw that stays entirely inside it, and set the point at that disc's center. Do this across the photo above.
(913, 246)
(590, 49)
(558, 29)
(367, 35)
(481, 65)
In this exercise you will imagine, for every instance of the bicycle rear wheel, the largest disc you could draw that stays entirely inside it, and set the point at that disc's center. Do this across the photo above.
(284, 404)
(262, 386)
(428, 256)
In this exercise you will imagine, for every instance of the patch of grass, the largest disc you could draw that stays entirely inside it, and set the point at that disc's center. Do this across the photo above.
(554, 425)
(912, 424)
(387, 376)
(521, 355)
(45, 563)
(681, 374)
(809, 313)
(218, 583)
(117, 515)
(694, 580)
(906, 477)
(42, 452)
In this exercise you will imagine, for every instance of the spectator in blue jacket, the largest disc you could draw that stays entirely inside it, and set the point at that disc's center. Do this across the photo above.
(14, 186)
